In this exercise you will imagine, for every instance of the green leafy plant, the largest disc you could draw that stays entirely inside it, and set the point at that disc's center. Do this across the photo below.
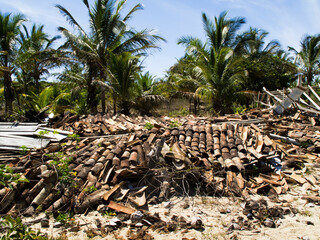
(90, 189)
(110, 213)
(65, 218)
(23, 150)
(174, 124)
(42, 133)
(60, 162)
(238, 109)
(14, 229)
(183, 112)
(7, 176)
(148, 126)
(74, 136)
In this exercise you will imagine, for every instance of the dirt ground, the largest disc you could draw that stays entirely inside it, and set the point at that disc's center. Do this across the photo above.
(218, 215)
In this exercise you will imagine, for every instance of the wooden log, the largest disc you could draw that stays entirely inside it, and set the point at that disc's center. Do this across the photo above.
(121, 208)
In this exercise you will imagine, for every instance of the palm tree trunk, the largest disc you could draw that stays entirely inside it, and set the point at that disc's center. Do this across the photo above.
(8, 90)
(114, 105)
(103, 101)
(8, 93)
(91, 98)
(309, 77)
(125, 106)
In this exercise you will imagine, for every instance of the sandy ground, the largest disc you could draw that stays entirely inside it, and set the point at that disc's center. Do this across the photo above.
(217, 215)
(303, 225)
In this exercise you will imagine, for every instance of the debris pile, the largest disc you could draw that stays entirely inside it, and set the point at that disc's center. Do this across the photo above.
(134, 167)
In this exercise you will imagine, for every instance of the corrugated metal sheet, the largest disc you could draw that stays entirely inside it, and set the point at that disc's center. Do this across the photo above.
(31, 135)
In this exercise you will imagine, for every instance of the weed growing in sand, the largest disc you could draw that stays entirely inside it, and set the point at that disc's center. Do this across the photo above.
(14, 229)
(65, 218)
(306, 213)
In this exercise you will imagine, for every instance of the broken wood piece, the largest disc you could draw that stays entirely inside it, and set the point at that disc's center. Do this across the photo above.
(255, 127)
(121, 208)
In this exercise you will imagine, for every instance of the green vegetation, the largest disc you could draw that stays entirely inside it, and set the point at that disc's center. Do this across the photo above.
(74, 136)
(101, 67)
(90, 189)
(14, 229)
(65, 218)
(148, 126)
(24, 149)
(8, 177)
(174, 124)
(60, 162)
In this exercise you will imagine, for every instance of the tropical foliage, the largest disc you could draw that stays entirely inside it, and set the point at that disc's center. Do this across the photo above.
(100, 66)
(308, 58)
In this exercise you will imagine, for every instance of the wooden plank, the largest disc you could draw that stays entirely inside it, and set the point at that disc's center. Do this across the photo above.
(313, 102)
(272, 95)
(121, 208)
(314, 92)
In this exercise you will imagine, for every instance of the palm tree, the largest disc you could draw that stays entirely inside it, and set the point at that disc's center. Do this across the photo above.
(109, 33)
(185, 79)
(308, 58)
(36, 55)
(217, 65)
(146, 98)
(256, 54)
(124, 68)
(251, 44)
(9, 31)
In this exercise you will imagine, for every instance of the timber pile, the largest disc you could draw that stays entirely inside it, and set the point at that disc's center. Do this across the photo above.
(140, 167)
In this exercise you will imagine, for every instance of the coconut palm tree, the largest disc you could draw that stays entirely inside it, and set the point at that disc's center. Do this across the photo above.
(109, 33)
(124, 68)
(256, 54)
(308, 58)
(147, 98)
(185, 79)
(251, 44)
(9, 31)
(217, 65)
(36, 55)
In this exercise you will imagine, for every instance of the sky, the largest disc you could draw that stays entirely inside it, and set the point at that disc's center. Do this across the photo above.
(286, 20)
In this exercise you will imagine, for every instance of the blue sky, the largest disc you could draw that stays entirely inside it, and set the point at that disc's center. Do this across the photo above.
(286, 20)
